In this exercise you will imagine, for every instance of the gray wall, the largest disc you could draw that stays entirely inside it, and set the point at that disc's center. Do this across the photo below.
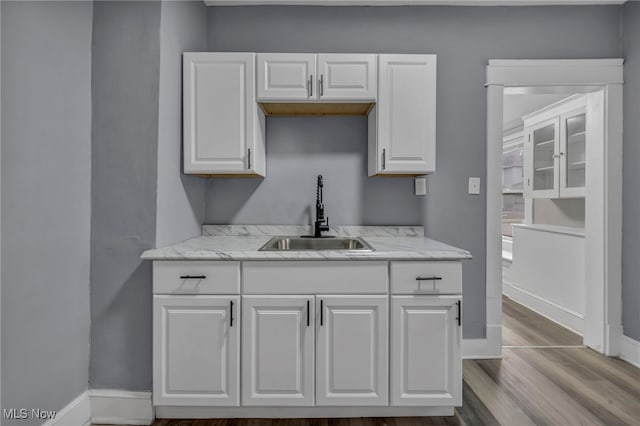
(180, 211)
(464, 38)
(126, 63)
(46, 160)
(631, 173)
(300, 149)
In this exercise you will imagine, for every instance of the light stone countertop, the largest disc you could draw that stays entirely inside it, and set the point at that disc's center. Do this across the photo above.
(240, 242)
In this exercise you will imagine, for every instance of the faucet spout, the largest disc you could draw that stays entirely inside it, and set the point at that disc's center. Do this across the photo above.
(321, 223)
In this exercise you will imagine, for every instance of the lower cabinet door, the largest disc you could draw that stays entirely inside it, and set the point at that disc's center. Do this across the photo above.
(196, 349)
(426, 363)
(352, 350)
(277, 350)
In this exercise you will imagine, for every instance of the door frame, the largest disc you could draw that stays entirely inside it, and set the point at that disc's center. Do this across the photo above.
(603, 206)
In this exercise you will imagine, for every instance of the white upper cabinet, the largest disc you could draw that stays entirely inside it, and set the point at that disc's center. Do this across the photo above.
(555, 150)
(223, 125)
(402, 126)
(299, 77)
(286, 76)
(347, 77)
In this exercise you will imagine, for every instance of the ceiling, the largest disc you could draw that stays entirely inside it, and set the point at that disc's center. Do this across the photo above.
(410, 2)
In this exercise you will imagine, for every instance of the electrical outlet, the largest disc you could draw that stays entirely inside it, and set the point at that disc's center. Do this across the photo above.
(474, 185)
(421, 185)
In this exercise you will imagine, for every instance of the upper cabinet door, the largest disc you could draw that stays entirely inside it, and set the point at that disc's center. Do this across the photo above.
(542, 151)
(223, 126)
(573, 126)
(352, 351)
(347, 76)
(286, 76)
(405, 115)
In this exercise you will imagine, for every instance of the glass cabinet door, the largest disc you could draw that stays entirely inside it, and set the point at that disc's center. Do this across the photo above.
(544, 147)
(574, 155)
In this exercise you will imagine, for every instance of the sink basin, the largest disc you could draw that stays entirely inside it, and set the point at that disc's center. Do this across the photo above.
(309, 243)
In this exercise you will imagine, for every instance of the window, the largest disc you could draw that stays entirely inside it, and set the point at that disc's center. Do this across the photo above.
(512, 177)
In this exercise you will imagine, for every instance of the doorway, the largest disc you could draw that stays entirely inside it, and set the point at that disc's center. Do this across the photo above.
(601, 81)
(543, 206)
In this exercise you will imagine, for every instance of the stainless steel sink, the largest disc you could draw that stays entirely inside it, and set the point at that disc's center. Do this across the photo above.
(309, 243)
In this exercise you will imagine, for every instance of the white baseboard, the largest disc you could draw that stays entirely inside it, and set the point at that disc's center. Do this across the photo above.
(120, 407)
(76, 413)
(630, 350)
(567, 318)
(487, 348)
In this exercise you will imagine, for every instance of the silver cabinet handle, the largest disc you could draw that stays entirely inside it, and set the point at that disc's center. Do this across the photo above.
(384, 159)
(321, 85)
(310, 85)
(249, 158)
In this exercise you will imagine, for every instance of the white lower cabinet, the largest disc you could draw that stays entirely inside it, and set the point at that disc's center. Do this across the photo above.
(352, 350)
(196, 350)
(394, 341)
(277, 350)
(426, 364)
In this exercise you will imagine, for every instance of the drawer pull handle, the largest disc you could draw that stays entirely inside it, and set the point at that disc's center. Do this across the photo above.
(321, 312)
(308, 313)
(193, 277)
(459, 317)
(231, 313)
(428, 278)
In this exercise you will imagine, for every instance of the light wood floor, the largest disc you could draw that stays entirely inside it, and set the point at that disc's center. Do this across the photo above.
(546, 377)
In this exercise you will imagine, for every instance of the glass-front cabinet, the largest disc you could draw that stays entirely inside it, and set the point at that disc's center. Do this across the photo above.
(573, 160)
(555, 142)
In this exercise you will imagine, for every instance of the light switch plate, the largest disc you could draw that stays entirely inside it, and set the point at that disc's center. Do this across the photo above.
(421, 185)
(474, 185)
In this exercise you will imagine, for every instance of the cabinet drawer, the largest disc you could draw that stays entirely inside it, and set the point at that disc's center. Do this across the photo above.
(303, 277)
(413, 277)
(195, 277)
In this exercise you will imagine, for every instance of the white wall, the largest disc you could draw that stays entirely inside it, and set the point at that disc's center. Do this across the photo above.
(548, 273)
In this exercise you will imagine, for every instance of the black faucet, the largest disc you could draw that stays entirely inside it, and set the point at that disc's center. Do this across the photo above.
(321, 223)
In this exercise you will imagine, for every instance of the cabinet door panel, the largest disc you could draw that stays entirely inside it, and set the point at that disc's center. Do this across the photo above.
(286, 76)
(426, 367)
(221, 119)
(352, 362)
(573, 128)
(277, 359)
(406, 114)
(347, 76)
(196, 351)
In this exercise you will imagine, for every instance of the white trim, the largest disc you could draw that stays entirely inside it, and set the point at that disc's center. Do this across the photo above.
(554, 72)
(409, 2)
(487, 348)
(120, 407)
(630, 350)
(604, 77)
(77, 412)
(554, 229)
(567, 318)
(164, 412)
